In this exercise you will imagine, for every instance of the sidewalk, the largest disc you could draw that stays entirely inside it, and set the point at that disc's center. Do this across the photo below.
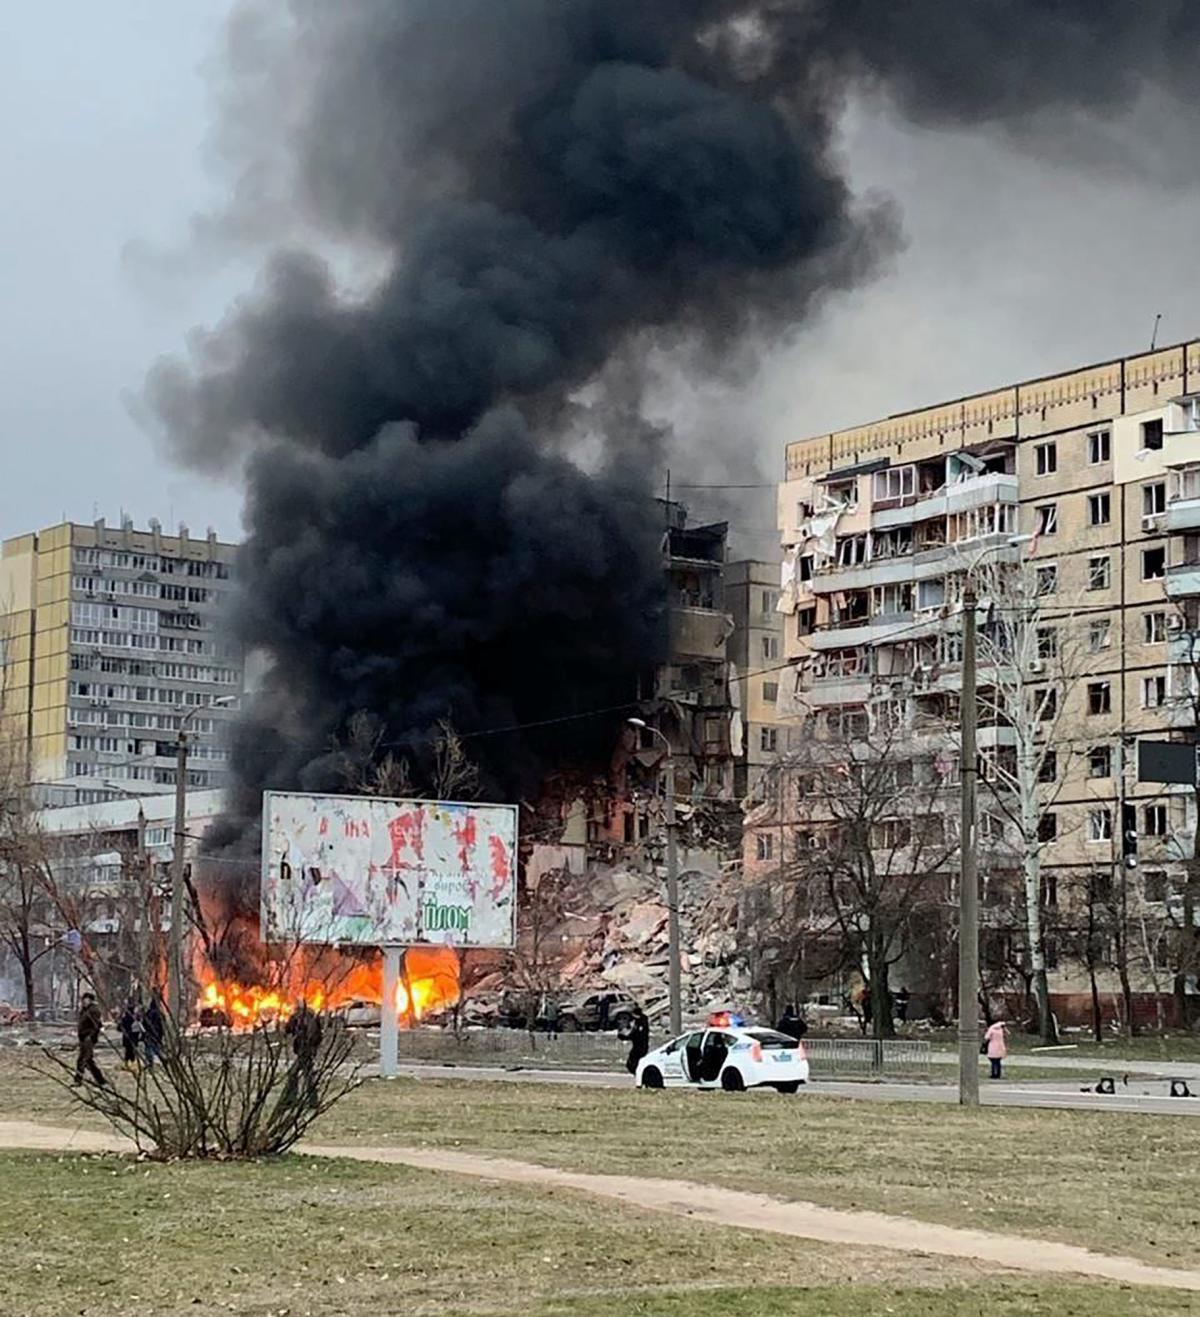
(1095, 1065)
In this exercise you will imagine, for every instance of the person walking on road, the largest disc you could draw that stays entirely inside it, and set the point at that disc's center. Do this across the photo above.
(153, 1031)
(996, 1045)
(639, 1039)
(88, 1029)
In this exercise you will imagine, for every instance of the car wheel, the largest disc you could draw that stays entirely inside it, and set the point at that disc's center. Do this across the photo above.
(652, 1078)
(792, 1087)
(568, 1024)
(732, 1081)
(622, 1022)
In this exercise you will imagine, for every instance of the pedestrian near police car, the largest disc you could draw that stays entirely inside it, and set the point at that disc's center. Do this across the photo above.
(639, 1039)
(995, 1042)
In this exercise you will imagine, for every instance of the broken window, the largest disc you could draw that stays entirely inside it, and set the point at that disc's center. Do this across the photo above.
(1099, 572)
(1099, 446)
(1154, 564)
(1099, 509)
(1152, 435)
(1047, 459)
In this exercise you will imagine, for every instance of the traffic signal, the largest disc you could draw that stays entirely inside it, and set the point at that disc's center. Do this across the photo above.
(1129, 836)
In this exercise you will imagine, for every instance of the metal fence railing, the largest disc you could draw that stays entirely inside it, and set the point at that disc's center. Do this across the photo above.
(833, 1058)
(869, 1058)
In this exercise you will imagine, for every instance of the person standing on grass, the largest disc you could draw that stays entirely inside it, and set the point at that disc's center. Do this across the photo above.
(901, 1001)
(996, 1042)
(639, 1039)
(306, 1032)
(130, 1028)
(153, 1031)
(88, 1029)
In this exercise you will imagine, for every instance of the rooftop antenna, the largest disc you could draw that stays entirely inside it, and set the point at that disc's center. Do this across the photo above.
(1154, 335)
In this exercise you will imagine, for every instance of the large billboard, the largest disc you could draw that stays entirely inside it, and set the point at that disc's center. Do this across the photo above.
(373, 871)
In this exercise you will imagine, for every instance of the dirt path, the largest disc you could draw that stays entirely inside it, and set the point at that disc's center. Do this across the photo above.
(725, 1207)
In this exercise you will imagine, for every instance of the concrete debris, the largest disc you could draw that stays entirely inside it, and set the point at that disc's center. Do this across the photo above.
(615, 936)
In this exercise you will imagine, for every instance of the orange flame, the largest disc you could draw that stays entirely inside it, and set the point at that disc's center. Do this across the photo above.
(430, 978)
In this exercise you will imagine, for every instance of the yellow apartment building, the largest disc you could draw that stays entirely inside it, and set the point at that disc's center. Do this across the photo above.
(109, 638)
(1091, 478)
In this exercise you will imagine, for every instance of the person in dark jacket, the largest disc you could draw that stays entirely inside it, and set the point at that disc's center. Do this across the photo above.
(901, 1001)
(639, 1039)
(88, 1029)
(130, 1028)
(154, 1030)
(306, 1032)
(792, 1023)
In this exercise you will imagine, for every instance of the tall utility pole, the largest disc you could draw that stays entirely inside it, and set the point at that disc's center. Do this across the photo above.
(175, 1003)
(674, 974)
(968, 886)
(674, 986)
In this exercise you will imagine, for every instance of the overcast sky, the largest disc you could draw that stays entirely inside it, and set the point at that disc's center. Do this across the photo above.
(1015, 266)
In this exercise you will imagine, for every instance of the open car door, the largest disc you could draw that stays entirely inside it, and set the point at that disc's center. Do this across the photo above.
(692, 1051)
(713, 1052)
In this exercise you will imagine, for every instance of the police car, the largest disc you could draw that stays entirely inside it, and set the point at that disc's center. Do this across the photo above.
(726, 1055)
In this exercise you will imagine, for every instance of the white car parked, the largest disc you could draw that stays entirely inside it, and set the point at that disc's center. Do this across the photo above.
(730, 1057)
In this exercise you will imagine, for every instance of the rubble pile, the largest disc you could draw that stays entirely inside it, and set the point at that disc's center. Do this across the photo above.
(615, 936)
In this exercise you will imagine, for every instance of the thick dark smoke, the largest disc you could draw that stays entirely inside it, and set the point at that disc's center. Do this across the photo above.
(551, 190)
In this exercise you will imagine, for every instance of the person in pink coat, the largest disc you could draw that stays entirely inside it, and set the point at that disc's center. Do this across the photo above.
(996, 1042)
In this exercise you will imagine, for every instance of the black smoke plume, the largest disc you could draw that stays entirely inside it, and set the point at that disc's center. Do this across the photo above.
(549, 192)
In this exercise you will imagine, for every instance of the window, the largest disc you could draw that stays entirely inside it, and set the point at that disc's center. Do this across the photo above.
(1154, 499)
(1155, 881)
(1047, 459)
(806, 567)
(1099, 446)
(1099, 572)
(1154, 821)
(852, 551)
(1047, 642)
(770, 647)
(1154, 564)
(806, 621)
(1045, 703)
(767, 603)
(1098, 635)
(1046, 518)
(1099, 825)
(1048, 826)
(1152, 435)
(1100, 761)
(1155, 626)
(1099, 509)
(1051, 953)
(1099, 697)
(770, 691)
(931, 594)
(764, 846)
(1154, 692)
(894, 484)
(768, 739)
(1048, 768)
(1047, 578)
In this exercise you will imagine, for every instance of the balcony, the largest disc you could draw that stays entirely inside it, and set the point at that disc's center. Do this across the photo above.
(1183, 514)
(699, 633)
(1183, 580)
(976, 492)
(869, 631)
(828, 692)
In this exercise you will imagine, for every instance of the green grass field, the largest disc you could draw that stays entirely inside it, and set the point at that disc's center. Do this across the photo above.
(301, 1236)
(1123, 1184)
(107, 1236)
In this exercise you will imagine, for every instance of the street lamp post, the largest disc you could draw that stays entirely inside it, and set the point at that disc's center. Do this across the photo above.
(674, 986)
(145, 973)
(176, 1003)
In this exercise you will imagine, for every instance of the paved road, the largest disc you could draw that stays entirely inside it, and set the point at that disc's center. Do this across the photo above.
(1143, 1097)
(1091, 1065)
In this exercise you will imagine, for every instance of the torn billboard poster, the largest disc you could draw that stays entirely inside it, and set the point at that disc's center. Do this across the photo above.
(374, 871)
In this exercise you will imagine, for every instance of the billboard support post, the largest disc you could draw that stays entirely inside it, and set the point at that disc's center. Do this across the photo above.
(389, 1023)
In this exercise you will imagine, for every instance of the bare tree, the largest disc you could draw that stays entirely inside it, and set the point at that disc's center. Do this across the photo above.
(1035, 650)
(873, 853)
